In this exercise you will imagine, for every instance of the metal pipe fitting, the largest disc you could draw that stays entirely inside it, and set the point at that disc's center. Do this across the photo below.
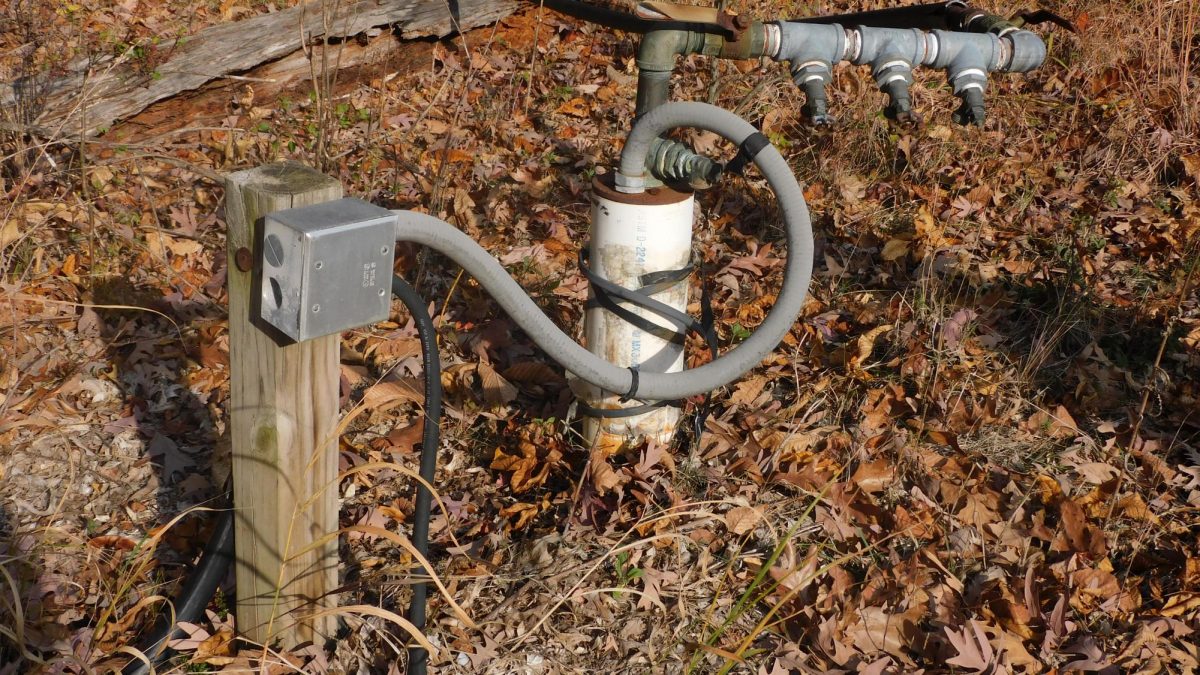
(968, 58)
(757, 40)
(813, 48)
(894, 78)
(972, 110)
(653, 90)
(813, 77)
(882, 45)
(1026, 51)
(657, 54)
(891, 54)
(656, 59)
(675, 163)
(660, 49)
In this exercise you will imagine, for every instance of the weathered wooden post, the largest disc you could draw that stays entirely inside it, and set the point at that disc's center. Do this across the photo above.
(283, 421)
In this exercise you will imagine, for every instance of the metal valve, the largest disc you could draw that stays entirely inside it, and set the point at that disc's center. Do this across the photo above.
(894, 78)
(972, 110)
(812, 77)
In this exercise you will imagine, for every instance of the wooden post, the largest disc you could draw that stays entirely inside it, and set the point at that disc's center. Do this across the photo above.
(283, 421)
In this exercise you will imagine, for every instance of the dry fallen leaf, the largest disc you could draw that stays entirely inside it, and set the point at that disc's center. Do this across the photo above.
(974, 649)
(742, 519)
(388, 394)
(604, 478)
(577, 107)
(895, 249)
(1080, 535)
(874, 476)
(533, 372)
(877, 630)
(9, 233)
(519, 515)
(1181, 603)
(496, 389)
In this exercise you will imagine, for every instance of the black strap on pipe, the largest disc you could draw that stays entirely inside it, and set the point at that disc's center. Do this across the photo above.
(747, 151)
(606, 294)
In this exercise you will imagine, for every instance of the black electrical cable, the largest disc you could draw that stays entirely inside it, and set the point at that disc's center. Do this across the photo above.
(193, 598)
(952, 15)
(938, 15)
(418, 658)
(618, 20)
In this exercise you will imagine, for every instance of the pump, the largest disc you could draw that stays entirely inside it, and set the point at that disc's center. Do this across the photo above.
(642, 244)
(630, 377)
(966, 43)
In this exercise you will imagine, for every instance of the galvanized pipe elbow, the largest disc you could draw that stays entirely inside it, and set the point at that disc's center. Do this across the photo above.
(659, 49)
(656, 59)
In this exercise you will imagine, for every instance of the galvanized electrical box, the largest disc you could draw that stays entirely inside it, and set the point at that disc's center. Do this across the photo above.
(326, 268)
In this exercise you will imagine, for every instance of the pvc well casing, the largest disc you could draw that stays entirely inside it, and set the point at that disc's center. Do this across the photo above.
(633, 235)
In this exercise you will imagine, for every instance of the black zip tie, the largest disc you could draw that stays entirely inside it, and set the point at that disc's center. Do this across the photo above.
(633, 386)
(747, 151)
(632, 411)
(603, 292)
(709, 333)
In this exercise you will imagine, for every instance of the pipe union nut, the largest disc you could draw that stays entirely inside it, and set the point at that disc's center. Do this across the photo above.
(630, 184)
(891, 71)
(809, 71)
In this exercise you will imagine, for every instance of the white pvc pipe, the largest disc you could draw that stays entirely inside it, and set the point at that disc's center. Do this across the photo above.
(629, 240)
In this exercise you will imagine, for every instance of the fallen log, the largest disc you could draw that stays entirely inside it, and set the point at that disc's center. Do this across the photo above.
(92, 99)
(357, 61)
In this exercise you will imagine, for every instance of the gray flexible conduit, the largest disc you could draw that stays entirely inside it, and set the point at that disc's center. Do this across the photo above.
(426, 230)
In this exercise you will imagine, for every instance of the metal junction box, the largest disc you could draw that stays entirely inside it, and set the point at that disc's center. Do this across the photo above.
(326, 268)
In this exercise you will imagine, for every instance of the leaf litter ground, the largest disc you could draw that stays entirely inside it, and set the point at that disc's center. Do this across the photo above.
(975, 452)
